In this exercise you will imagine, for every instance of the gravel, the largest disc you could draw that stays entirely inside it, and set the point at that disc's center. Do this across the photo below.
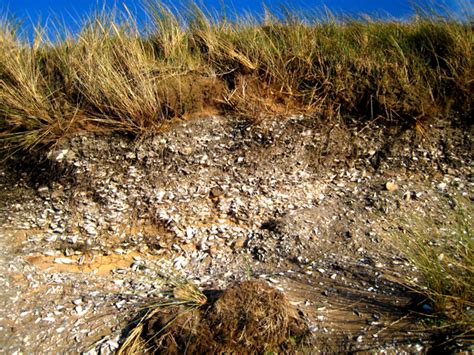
(86, 232)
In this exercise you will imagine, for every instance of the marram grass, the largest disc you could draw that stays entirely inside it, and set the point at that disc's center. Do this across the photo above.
(112, 75)
(443, 255)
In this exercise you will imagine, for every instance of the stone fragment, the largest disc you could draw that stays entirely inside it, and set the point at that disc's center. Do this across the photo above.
(391, 187)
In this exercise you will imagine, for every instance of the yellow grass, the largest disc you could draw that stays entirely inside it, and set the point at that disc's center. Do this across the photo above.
(114, 76)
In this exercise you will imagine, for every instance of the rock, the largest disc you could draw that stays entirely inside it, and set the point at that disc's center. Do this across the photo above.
(216, 192)
(64, 261)
(43, 189)
(391, 187)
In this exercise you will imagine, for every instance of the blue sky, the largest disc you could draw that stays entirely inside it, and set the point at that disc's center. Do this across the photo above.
(72, 11)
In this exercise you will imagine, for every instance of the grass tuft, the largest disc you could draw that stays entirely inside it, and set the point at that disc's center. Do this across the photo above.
(443, 255)
(113, 75)
(183, 299)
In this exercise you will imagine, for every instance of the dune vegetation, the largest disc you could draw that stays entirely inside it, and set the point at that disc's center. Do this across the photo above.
(113, 75)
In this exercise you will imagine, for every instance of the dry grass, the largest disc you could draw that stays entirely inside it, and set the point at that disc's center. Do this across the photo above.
(114, 76)
(183, 298)
(248, 317)
(443, 255)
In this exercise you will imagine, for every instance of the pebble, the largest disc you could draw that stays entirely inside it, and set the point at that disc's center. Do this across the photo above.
(391, 187)
(77, 302)
(43, 189)
(442, 186)
(64, 261)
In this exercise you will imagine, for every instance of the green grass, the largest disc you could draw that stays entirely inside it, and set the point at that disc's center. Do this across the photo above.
(113, 76)
(443, 255)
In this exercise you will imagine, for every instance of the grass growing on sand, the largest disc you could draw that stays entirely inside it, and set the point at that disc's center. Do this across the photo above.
(112, 75)
(186, 298)
(443, 254)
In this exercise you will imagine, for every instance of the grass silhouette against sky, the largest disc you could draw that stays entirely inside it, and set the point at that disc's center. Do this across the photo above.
(42, 11)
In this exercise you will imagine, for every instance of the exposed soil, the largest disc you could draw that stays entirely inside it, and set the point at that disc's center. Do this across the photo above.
(304, 205)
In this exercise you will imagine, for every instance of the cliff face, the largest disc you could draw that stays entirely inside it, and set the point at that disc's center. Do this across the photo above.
(305, 204)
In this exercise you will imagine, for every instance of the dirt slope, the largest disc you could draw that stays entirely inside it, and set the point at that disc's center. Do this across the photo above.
(304, 204)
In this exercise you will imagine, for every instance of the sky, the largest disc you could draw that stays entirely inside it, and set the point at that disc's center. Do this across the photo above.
(71, 12)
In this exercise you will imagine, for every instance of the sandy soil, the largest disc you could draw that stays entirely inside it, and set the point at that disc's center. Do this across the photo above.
(308, 207)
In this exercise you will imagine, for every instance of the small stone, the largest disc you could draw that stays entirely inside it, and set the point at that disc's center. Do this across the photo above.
(80, 310)
(120, 304)
(112, 344)
(43, 189)
(190, 232)
(118, 282)
(77, 302)
(60, 155)
(442, 185)
(391, 187)
(186, 150)
(418, 347)
(216, 192)
(63, 261)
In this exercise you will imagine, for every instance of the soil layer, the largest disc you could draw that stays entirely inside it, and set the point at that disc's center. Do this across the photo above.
(305, 205)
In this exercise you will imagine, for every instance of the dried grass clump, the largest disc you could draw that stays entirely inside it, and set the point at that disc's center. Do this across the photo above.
(33, 106)
(248, 317)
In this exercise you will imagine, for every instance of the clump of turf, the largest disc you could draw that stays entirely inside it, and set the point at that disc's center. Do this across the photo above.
(249, 317)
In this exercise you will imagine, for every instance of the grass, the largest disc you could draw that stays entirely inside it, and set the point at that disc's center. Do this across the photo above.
(247, 317)
(443, 255)
(183, 299)
(113, 76)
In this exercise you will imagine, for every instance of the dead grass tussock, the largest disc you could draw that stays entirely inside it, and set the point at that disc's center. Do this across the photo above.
(114, 76)
(248, 317)
(183, 297)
